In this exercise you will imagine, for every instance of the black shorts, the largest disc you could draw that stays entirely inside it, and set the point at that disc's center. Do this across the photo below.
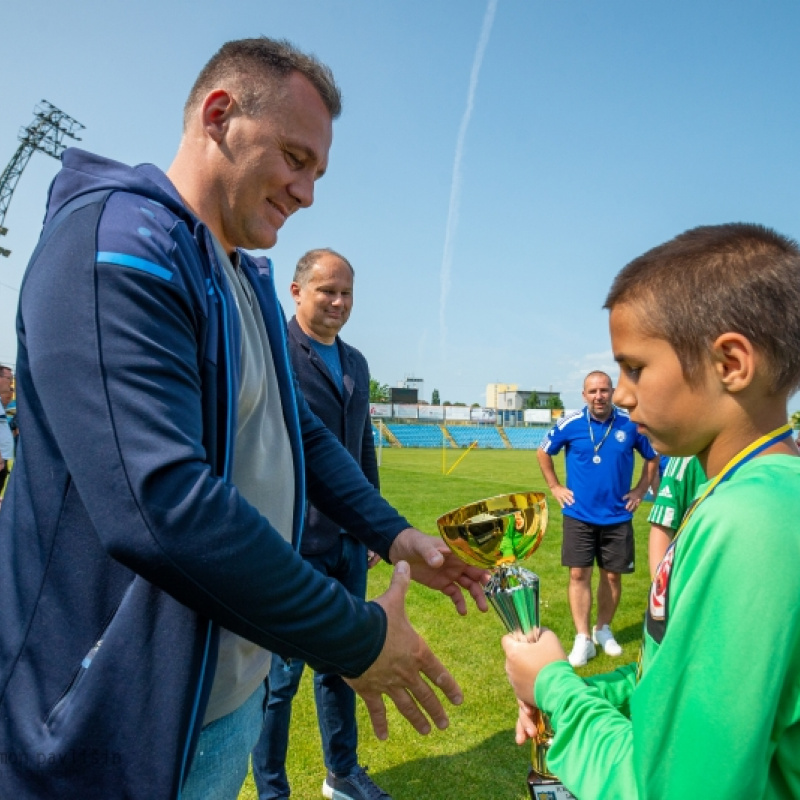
(610, 545)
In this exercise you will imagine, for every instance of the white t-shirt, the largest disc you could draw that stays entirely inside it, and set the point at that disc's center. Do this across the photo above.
(263, 471)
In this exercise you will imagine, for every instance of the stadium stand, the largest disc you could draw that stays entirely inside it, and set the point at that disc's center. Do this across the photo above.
(417, 435)
(525, 438)
(426, 435)
(465, 435)
(377, 436)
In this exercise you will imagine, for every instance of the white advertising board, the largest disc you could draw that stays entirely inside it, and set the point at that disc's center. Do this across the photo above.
(404, 411)
(380, 410)
(483, 415)
(431, 412)
(541, 415)
(460, 413)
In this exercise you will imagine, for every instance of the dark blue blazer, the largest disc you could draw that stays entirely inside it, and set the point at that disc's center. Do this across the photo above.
(345, 413)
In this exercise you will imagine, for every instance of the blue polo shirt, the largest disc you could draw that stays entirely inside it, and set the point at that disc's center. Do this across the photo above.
(598, 488)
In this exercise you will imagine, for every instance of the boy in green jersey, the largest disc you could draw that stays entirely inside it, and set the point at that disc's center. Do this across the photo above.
(678, 487)
(706, 330)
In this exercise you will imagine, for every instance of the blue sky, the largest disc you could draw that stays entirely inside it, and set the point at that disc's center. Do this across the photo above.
(497, 162)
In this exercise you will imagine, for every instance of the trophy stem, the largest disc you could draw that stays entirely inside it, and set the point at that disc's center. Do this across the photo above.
(497, 533)
(513, 592)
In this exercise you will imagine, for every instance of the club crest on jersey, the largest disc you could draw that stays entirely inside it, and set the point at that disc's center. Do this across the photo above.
(620, 436)
(659, 596)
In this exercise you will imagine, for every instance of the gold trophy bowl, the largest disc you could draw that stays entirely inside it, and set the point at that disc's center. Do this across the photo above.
(498, 533)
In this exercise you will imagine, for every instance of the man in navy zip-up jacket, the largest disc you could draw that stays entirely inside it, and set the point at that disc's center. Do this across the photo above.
(124, 545)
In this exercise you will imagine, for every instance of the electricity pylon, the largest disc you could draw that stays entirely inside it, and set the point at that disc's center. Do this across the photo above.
(46, 133)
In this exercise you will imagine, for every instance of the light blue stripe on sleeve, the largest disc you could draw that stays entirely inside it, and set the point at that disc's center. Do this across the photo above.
(125, 260)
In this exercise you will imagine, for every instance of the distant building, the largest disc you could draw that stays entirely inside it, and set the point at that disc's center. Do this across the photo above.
(413, 383)
(493, 389)
(508, 397)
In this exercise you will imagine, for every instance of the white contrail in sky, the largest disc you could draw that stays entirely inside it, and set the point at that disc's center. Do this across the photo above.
(455, 189)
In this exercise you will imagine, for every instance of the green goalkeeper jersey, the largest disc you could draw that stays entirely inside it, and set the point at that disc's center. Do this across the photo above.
(679, 483)
(716, 713)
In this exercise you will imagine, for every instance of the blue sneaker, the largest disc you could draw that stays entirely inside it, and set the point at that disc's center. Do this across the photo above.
(356, 786)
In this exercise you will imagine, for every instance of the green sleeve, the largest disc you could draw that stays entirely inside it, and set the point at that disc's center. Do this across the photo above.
(592, 750)
(679, 484)
(616, 687)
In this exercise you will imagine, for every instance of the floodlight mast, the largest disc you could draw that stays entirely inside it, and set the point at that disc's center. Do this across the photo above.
(46, 133)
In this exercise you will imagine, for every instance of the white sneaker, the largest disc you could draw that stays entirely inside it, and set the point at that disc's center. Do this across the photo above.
(582, 651)
(605, 639)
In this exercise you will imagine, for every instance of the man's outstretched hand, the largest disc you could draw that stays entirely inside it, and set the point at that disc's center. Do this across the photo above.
(434, 565)
(399, 669)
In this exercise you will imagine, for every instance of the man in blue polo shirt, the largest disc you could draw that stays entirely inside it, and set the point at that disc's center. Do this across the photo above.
(598, 504)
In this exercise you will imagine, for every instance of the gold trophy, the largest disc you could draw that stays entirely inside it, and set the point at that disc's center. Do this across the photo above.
(497, 534)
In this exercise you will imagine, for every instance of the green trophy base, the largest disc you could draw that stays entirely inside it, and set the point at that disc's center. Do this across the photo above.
(542, 788)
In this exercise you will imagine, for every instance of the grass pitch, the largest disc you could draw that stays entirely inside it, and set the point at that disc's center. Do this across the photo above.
(476, 756)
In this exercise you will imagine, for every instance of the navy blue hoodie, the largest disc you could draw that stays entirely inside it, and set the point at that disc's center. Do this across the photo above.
(123, 545)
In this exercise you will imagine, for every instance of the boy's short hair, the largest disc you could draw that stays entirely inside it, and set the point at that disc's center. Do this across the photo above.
(256, 69)
(740, 278)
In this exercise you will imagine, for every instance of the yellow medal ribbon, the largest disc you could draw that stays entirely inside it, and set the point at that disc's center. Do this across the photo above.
(742, 457)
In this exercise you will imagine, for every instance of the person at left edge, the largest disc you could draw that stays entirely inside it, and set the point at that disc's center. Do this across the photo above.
(6, 434)
(148, 556)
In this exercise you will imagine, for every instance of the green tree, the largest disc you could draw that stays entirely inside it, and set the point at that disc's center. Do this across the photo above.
(532, 401)
(796, 420)
(435, 398)
(555, 402)
(378, 392)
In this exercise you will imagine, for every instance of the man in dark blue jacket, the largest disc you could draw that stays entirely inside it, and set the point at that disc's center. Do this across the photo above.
(334, 378)
(149, 532)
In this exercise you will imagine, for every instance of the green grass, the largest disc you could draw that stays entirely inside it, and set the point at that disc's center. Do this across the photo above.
(476, 756)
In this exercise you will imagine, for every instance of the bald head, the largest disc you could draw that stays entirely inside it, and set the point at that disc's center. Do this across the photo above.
(323, 293)
(597, 391)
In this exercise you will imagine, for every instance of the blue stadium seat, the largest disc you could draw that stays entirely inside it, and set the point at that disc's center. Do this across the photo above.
(417, 435)
(525, 438)
(487, 437)
(378, 436)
